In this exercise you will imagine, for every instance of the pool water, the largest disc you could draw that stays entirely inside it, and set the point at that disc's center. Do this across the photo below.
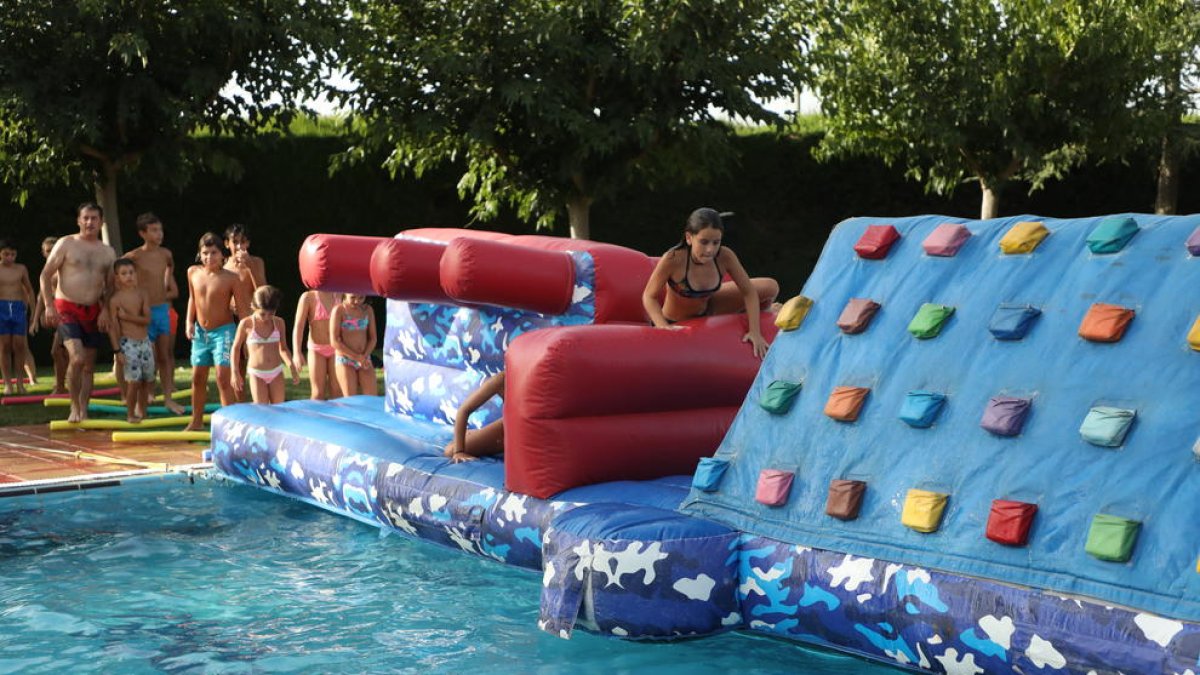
(164, 575)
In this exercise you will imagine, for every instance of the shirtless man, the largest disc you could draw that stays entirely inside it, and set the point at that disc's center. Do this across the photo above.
(83, 264)
(156, 276)
(16, 297)
(211, 324)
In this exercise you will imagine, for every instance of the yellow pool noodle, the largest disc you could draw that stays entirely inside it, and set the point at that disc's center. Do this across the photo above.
(66, 402)
(158, 436)
(149, 423)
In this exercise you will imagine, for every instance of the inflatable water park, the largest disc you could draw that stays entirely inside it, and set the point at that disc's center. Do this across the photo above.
(971, 448)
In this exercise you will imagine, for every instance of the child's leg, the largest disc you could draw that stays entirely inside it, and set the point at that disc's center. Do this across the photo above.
(260, 392)
(318, 376)
(130, 397)
(224, 387)
(347, 379)
(334, 386)
(366, 381)
(728, 300)
(58, 354)
(165, 360)
(278, 393)
(20, 349)
(6, 357)
(146, 390)
(199, 396)
(27, 360)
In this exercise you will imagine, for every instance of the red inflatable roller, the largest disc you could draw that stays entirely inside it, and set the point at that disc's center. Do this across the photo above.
(621, 274)
(585, 404)
(338, 262)
(557, 455)
(407, 269)
(572, 372)
(479, 271)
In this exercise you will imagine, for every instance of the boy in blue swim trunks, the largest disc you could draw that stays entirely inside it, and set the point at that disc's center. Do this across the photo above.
(16, 296)
(156, 276)
(211, 324)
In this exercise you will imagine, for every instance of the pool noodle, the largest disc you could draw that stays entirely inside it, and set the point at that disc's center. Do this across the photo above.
(115, 409)
(150, 423)
(41, 398)
(60, 402)
(152, 436)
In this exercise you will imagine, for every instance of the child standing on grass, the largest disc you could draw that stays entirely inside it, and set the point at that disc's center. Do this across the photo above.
(16, 296)
(262, 335)
(313, 311)
(211, 323)
(352, 331)
(156, 277)
(129, 314)
(58, 351)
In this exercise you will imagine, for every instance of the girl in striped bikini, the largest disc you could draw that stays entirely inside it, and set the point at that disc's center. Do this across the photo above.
(261, 334)
(352, 332)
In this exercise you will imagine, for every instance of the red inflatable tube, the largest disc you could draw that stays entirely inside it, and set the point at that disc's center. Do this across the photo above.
(478, 271)
(621, 274)
(38, 398)
(338, 262)
(589, 403)
(587, 450)
(407, 269)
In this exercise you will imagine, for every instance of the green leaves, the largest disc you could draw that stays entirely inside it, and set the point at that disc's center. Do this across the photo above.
(554, 103)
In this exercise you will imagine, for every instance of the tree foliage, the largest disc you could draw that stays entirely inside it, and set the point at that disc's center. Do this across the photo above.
(551, 104)
(994, 90)
(93, 89)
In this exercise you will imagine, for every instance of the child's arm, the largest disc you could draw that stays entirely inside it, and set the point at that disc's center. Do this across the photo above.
(750, 297)
(474, 401)
(258, 271)
(114, 331)
(189, 323)
(169, 277)
(298, 330)
(235, 354)
(142, 318)
(335, 331)
(654, 286)
(281, 326)
(370, 334)
(26, 287)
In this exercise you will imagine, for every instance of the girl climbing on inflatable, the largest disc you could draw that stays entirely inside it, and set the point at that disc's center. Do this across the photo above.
(262, 334)
(692, 272)
(352, 332)
(313, 312)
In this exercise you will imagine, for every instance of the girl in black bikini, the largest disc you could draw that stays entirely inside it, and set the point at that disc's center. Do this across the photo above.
(692, 272)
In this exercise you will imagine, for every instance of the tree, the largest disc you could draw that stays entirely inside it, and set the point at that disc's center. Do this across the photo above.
(1175, 25)
(994, 90)
(96, 89)
(552, 104)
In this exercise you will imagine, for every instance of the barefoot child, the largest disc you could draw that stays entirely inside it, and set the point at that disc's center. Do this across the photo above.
(16, 296)
(313, 310)
(262, 334)
(469, 446)
(58, 351)
(156, 277)
(211, 323)
(352, 326)
(129, 312)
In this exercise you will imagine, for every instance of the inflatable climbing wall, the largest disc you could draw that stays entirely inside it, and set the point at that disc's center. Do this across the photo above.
(1014, 401)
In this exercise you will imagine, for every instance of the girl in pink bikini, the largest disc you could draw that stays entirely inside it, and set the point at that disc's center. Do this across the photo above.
(314, 307)
(352, 332)
(261, 334)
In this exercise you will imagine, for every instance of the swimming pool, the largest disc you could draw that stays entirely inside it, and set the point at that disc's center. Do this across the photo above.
(164, 575)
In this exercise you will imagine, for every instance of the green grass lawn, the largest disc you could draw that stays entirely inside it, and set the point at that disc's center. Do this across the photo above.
(36, 413)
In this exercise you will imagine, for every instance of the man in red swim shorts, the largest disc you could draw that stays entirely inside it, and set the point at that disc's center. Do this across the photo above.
(83, 264)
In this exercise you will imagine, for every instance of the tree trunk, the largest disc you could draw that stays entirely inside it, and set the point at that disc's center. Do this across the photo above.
(106, 196)
(1166, 200)
(579, 214)
(990, 208)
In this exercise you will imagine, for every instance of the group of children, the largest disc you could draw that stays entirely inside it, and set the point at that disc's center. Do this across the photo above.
(231, 321)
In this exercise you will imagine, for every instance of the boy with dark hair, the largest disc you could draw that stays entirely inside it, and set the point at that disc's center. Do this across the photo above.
(16, 296)
(211, 324)
(129, 312)
(156, 277)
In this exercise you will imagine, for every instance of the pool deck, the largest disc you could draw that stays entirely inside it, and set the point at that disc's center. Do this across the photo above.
(33, 460)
